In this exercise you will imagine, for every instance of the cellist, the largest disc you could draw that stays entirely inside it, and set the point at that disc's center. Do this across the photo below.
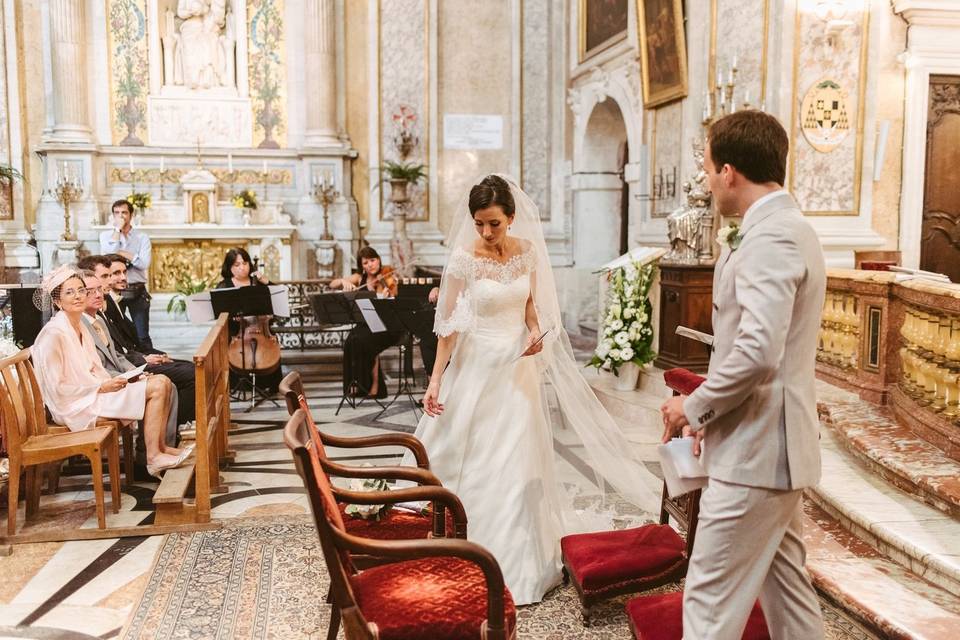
(361, 351)
(236, 273)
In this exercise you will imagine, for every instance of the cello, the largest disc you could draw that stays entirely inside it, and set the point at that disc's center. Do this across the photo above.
(254, 349)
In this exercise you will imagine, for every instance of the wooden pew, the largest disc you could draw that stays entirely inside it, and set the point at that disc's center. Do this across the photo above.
(172, 502)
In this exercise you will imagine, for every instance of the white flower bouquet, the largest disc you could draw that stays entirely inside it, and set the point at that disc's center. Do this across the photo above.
(626, 334)
(368, 511)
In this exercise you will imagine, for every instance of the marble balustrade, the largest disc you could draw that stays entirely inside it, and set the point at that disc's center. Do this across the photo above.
(896, 343)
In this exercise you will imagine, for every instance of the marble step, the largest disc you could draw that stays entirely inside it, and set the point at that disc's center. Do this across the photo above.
(884, 596)
(917, 536)
(895, 453)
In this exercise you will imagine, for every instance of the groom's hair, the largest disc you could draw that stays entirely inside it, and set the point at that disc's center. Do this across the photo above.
(752, 142)
(493, 191)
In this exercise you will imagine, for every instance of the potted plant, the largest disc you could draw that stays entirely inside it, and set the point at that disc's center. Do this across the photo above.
(401, 175)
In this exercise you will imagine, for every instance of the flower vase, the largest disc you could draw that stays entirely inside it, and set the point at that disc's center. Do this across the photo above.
(627, 376)
(246, 216)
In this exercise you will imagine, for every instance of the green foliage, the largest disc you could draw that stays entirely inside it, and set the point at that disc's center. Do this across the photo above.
(409, 171)
(186, 286)
(8, 175)
(626, 334)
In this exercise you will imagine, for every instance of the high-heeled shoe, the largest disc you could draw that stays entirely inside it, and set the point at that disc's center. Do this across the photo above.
(157, 470)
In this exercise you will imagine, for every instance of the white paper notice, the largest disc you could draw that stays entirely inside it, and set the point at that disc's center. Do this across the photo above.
(280, 299)
(370, 315)
(682, 470)
(468, 131)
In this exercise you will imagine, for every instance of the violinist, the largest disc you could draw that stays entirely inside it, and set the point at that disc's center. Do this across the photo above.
(361, 351)
(236, 272)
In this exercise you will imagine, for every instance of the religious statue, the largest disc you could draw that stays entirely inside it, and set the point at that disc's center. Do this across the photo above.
(199, 53)
(690, 226)
(200, 207)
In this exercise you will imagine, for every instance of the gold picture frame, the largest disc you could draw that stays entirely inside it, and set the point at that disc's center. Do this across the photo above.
(663, 51)
(600, 33)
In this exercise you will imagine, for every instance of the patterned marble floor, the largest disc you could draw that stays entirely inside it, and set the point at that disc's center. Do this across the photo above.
(80, 590)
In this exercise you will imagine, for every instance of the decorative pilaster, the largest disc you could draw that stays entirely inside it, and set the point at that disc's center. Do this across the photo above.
(68, 39)
(321, 64)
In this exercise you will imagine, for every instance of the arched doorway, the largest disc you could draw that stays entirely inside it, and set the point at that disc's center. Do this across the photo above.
(600, 202)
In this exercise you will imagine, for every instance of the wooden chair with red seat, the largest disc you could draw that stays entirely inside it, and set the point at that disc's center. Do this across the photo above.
(396, 524)
(606, 564)
(429, 589)
(30, 445)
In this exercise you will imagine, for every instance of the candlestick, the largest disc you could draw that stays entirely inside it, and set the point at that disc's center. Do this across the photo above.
(264, 169)
(161, 164)
(66, 192)
(325, 193)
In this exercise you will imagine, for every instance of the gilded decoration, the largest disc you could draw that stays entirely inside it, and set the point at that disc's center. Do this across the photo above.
(825, 121)
(663, 51)
(6, 189)
(282, 177)
(127, 36)
(603, 23)
(270, 262)
(267, 68)
(200, 208)
(198, 259)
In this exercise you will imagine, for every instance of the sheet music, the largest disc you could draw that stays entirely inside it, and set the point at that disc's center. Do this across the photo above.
(370, 315)
(643, 255)
(200, 308)
(280, 300)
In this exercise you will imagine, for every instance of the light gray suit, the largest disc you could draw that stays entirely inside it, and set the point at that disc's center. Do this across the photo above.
(115, 364)
(761, 442)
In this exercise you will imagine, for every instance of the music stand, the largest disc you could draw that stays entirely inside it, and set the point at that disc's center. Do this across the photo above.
(339, 308)
(240, 302)
(402, 315)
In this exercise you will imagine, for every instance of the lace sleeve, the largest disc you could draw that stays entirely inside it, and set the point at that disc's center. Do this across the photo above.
(455, 312)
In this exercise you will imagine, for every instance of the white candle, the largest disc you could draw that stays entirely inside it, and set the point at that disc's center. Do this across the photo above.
(161, 164)
(746, 98)
(130, 162)
(264, 170)
(734, 63)
(230, 162)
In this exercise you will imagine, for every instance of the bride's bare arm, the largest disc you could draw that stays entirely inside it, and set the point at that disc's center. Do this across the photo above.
(445, 345)
(532, 321)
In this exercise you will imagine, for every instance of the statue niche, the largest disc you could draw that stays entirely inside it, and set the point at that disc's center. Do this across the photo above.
(199, 44)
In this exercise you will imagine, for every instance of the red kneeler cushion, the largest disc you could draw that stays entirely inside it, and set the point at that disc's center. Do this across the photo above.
(395, 524)
(660, 617)
(683, 381)
(438, 598)
(608, 559)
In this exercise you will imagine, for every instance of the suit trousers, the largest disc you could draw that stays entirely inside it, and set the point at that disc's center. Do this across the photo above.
(749, 545)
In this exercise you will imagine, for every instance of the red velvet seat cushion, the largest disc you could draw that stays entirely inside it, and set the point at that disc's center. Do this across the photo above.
(433, 598)
(608, 558)
(683, 381)
(395, 524)
(660, 617)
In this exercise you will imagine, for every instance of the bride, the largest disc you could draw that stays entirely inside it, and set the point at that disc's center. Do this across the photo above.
(487, 424)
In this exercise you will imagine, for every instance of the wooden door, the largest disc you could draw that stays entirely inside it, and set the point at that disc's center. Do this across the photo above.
(940, 239)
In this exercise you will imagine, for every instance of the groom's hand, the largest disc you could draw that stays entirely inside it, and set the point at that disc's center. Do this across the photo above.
(674, 420)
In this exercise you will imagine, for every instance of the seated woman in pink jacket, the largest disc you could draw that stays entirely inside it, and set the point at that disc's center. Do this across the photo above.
(78, 390)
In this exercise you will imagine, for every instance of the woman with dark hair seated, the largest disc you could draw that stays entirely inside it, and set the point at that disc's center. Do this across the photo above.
(236, 273)
(362, 374)
(78, 390)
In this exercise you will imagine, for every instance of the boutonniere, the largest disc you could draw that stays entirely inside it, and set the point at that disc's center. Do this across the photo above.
(730, 236)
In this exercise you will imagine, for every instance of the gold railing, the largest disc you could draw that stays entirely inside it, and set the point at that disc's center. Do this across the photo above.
(839, 330)
(930, 360)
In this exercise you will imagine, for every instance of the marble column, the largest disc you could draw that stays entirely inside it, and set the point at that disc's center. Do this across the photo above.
(321, 65)
(68, 38)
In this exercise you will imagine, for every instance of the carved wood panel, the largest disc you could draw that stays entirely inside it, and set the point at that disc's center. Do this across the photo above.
(940, 236)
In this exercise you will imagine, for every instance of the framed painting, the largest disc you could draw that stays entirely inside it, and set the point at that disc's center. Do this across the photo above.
(663, 51)
(602, 24)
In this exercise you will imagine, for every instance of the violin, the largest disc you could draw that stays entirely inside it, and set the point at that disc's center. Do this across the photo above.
(385, 283)
(254, 349)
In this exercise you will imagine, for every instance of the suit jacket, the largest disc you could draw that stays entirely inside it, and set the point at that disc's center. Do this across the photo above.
(122, 329)
(758, 403)
(113, 361)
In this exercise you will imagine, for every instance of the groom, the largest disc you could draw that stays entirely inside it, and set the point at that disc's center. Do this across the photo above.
(756, 413)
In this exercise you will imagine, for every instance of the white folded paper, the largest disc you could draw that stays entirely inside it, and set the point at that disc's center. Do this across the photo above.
(133, 373)
(682, 470)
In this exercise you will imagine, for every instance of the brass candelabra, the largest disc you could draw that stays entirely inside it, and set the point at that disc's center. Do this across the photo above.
(67, 191)
(325, 193)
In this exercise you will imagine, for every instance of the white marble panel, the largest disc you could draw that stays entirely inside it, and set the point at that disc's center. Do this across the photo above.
(535, 163)
(740, 33)
(670, 146)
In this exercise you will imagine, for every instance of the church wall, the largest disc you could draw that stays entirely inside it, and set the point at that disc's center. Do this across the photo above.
(473, 77)
(357, 85)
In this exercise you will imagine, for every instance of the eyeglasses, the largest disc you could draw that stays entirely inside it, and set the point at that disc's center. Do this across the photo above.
(94, 290)
(73, 293)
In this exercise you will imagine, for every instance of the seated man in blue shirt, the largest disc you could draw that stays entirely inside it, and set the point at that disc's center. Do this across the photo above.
(135, 248)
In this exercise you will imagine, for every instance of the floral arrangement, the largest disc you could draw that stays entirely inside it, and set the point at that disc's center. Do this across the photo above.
(140, 200)
(187, 285)
(729, 235)
(8, 347)
(627, 334)
(246, 199)
(368, 511)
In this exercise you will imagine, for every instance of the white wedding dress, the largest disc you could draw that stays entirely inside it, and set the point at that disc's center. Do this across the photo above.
(492, 445)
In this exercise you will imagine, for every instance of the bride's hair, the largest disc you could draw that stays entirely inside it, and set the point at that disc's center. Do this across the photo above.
(493, 191)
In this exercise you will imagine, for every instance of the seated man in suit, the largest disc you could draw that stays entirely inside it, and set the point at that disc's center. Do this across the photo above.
(113, 361)
(181, 372)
